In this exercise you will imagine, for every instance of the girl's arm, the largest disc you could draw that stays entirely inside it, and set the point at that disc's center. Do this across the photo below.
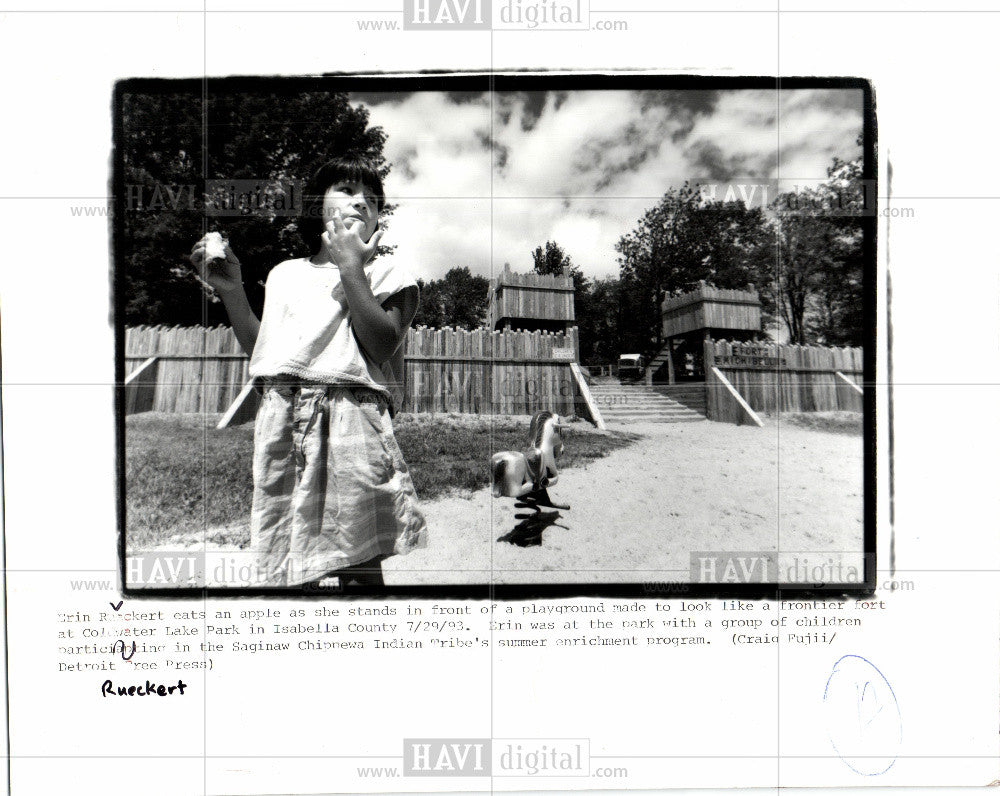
(379, 328)
(246, 325)
(226, 278)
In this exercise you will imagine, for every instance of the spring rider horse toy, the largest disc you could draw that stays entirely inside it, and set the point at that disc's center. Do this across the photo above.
(526, 476)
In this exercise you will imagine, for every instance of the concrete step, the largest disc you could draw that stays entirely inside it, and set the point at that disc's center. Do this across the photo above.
(636, 394)
(633, 399)
(694, 397)
(624, 403)
(689, 394)
(625, 391)
(652, 394)
(623, 398)
(650, 410)
(623, 420)
(645, 391)
(651, 418)
(639, 403)
(631, 407)
(678, 408)
(643, 407)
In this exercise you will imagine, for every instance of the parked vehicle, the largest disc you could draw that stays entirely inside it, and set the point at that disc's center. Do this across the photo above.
(631, 367)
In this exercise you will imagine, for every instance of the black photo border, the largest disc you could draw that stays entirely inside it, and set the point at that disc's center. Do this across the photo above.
(489, 82)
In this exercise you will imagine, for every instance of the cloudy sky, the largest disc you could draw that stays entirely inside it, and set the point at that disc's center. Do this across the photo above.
(483, 180)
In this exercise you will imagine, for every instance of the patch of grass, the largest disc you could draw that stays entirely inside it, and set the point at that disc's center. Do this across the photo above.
(833, 422)
(449, 452)
(182, 475)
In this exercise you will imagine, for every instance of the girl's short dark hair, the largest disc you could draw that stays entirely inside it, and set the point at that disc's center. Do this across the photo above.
(355, 168)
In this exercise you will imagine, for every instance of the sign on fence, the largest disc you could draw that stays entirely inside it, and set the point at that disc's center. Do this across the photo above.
(749, 362)
(781, 378)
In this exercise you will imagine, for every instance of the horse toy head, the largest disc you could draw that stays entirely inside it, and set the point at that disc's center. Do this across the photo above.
(544, 437)
(518, 473)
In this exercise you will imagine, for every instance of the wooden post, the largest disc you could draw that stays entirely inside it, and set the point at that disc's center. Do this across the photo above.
(708, 354)
(711, 388)
(588, 399)
(735, 395)
(851, 383)
(240, 409)
(140, 387)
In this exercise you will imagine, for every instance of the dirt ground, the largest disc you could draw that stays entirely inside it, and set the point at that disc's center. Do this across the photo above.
(638, 513)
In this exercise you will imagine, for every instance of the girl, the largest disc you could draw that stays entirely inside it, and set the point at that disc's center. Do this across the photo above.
(332, 494)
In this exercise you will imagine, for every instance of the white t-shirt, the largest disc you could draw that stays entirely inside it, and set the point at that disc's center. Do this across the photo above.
(306, 329)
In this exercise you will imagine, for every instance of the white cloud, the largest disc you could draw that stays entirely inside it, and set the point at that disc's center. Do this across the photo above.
(586, 154)
(440, 181)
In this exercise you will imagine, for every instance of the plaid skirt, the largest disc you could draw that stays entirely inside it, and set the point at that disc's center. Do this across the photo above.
(331, 488)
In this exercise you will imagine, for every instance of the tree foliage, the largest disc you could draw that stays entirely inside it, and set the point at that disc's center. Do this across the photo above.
(552, 259)
(682, 240)
(459, 300)
(173, 143)
(819, 283)
(603, 319)
(803, 254)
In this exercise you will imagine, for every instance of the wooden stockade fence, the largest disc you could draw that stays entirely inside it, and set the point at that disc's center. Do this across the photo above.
(708, 307)
(483, 371)
(781, 378)
(516, 297)
(199, 369)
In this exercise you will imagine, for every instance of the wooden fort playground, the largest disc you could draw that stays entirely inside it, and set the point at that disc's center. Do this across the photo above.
(713, 364)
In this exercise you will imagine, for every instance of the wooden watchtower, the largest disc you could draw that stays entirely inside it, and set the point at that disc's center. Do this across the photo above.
(531, 302)
(691, 318)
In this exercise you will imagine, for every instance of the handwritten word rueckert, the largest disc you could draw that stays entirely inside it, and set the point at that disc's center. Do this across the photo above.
(149, 689)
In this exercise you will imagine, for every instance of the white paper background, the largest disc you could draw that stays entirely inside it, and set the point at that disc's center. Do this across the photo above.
(726, 715)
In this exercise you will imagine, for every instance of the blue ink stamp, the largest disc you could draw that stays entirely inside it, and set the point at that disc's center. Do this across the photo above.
(862, 716)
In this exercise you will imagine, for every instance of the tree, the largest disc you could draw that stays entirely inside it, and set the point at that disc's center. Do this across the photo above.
(683, 239)
(819, 282)
(429, 310)
(603, 320)
(459, 300)
(841, 290)
(260, 139)
(553, 260)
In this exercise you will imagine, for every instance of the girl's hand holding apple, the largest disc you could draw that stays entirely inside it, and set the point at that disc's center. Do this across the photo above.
(216, 264)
